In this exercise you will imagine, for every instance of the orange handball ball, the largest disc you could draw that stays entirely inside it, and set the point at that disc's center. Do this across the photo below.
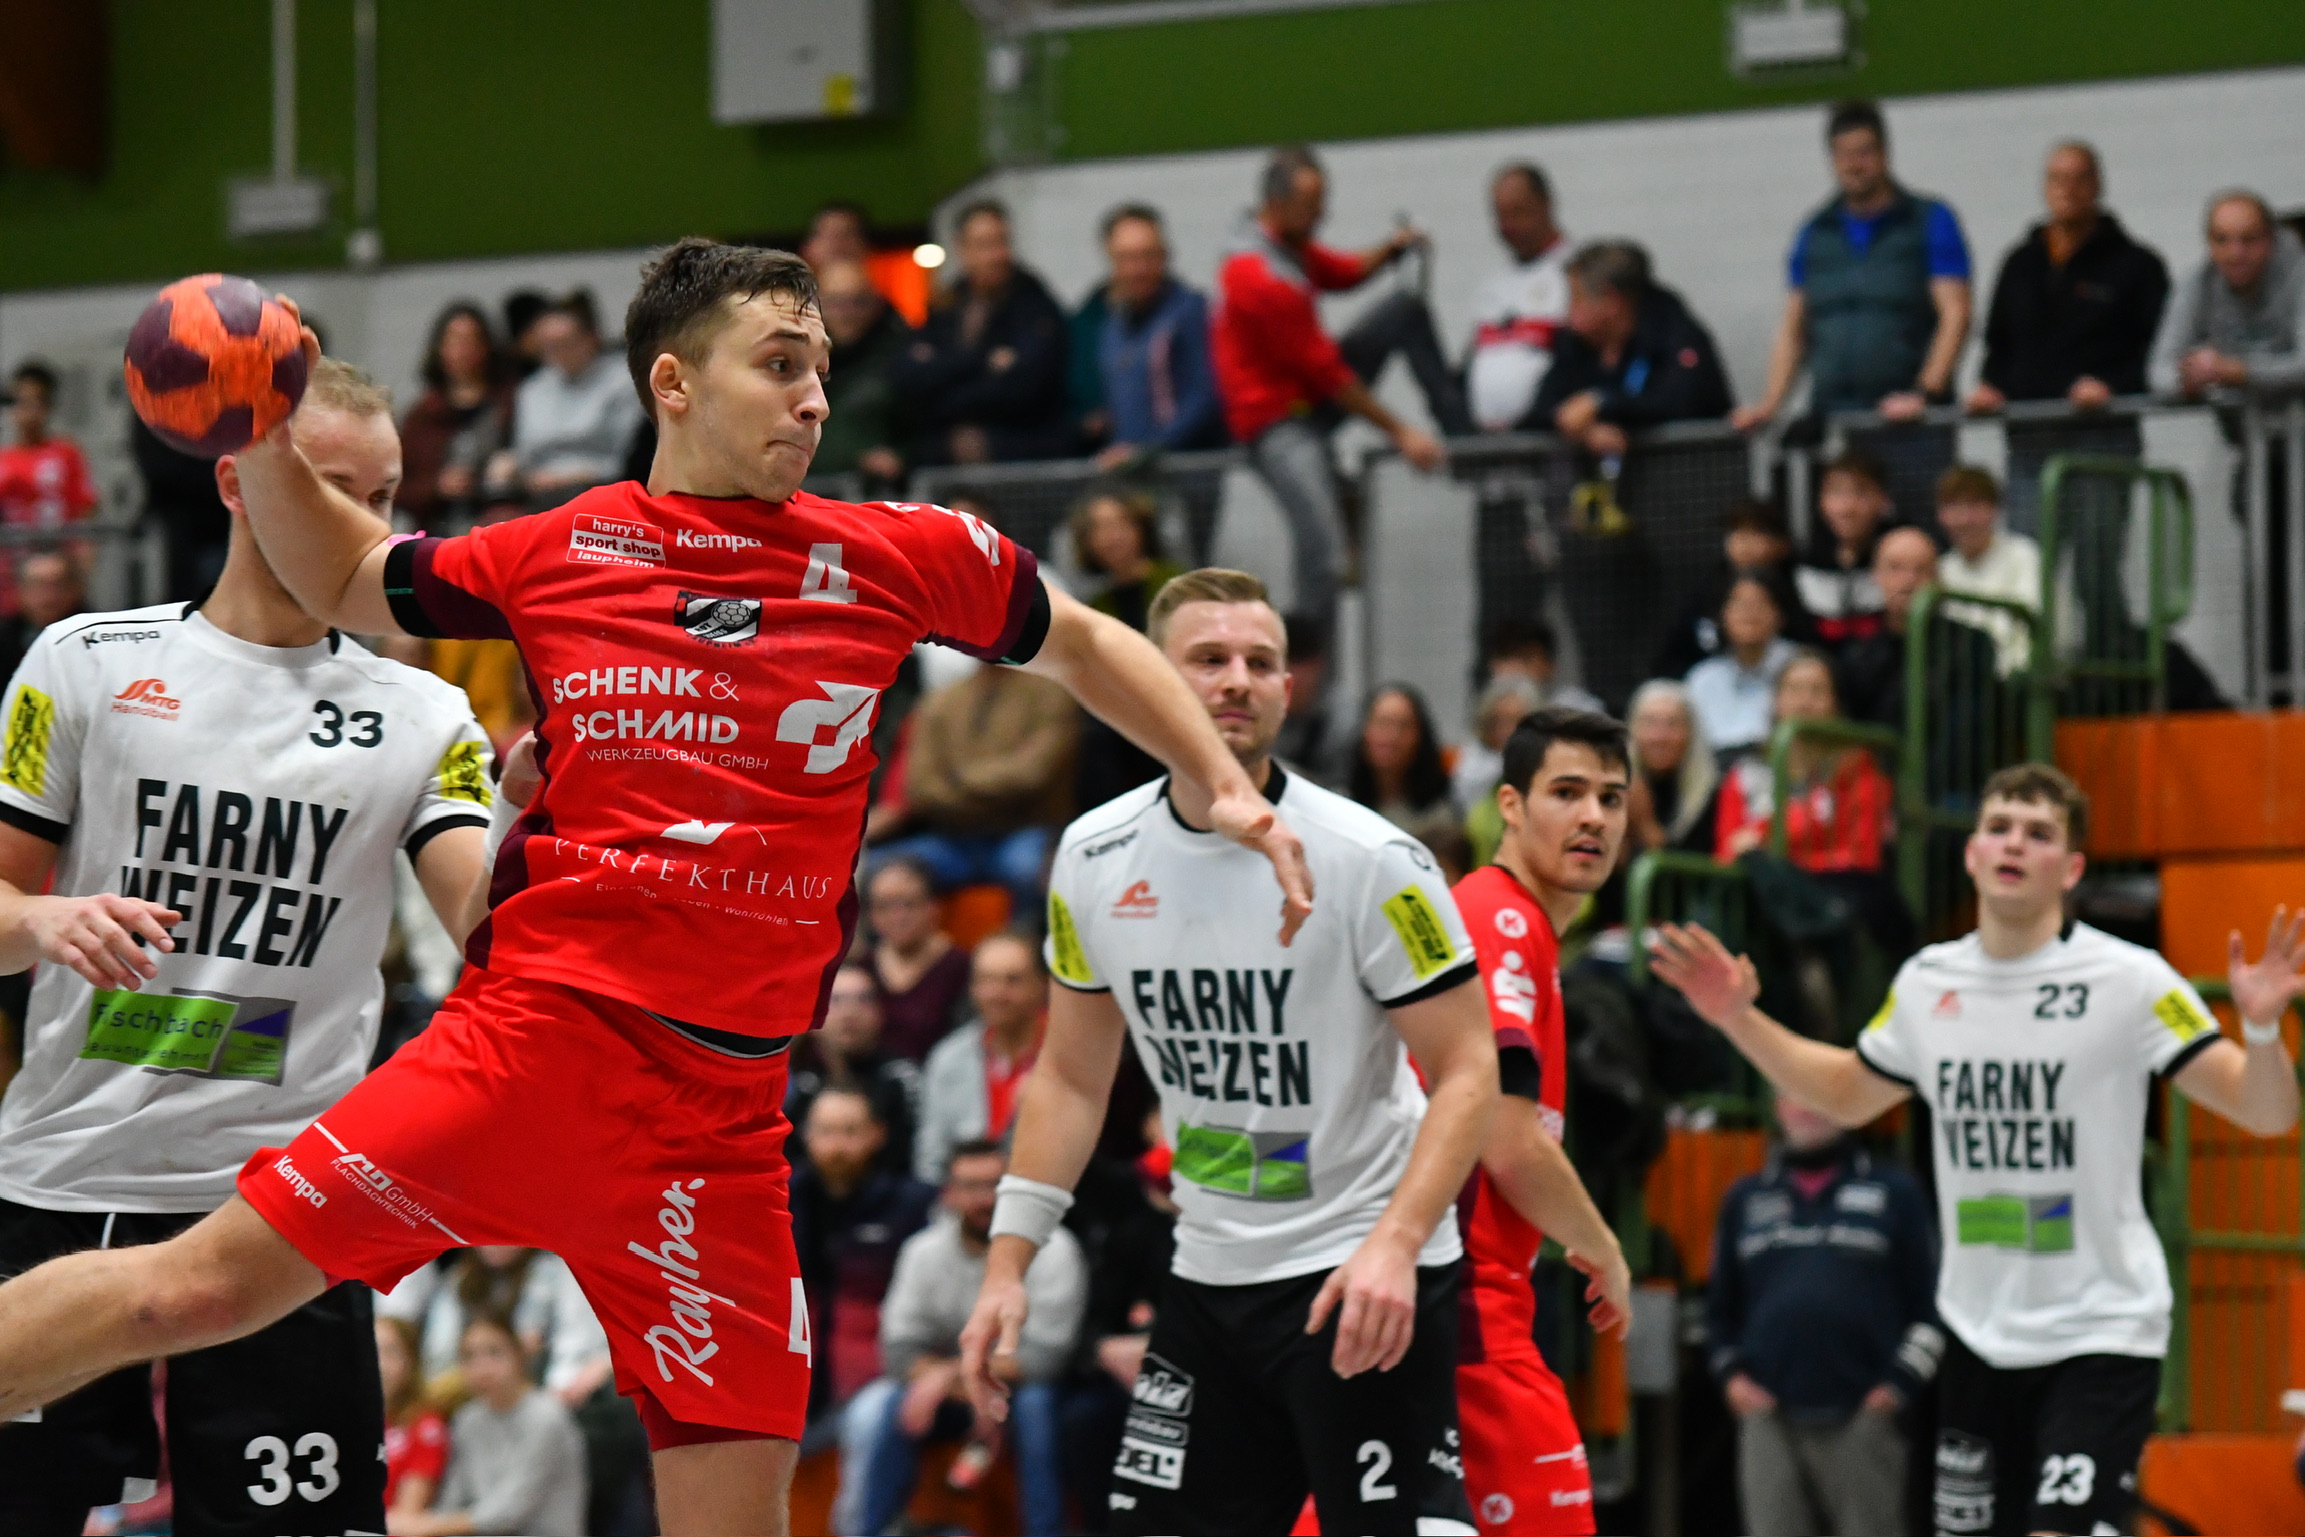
(213, 364)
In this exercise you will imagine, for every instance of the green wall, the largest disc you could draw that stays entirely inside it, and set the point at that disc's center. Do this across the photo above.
(512, 126)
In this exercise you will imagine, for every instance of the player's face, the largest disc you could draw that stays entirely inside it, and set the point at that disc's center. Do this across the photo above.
(1235, 658)
(1571, 823)
(358, 455)
(757, 399)
(2020, 859)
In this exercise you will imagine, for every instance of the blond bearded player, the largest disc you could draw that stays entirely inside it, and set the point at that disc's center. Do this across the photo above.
(607, 1080)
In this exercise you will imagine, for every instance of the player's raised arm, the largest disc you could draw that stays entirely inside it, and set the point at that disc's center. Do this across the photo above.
(2255, 1085)
(1057, 1120)
(1833, 1080)
(1119, 676)
(326, 548)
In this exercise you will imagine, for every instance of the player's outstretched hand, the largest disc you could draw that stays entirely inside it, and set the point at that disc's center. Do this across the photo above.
(995, 1327)
(521, 779)
(1374, 1295)
(1250, 821)
(1609, 1288)
(96, 936)
(1718, 985)
(2263, 989)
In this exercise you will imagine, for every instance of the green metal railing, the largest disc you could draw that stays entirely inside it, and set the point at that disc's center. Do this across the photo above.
(1670, 886)
(2122, 668)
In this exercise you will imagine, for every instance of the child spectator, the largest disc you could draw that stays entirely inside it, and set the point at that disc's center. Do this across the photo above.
(1733, 692)
(1672, 801)
(457, 425)
(969, 1088)
(1987, 560)
(1529, 648)
(923, 975)
(558, 1330)
(1398, 771)
(1753, 538)
(415, 1435)
(1835, 579)
(847, 1054)
(515, 1462)
(1839, 813)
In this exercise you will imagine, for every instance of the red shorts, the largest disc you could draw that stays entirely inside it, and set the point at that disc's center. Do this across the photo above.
(1524, 1456)
(534, 1114)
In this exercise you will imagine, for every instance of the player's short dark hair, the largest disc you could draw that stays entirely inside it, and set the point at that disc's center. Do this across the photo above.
(1534, 737)
(1856, 112)
(34, 371)
(1619, 266)
(1143, 213)
(973, 1147)
(1283, 167)
(682, 292)
(1757, 515)
(979, 208)
(1210, 584)
(1528, 172)
(1521, 636)
(1968, 483)
(1857, 463)
(2041, 784)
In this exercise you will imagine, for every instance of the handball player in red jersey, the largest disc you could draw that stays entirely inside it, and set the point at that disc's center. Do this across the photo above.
(708, 653)
(1563, 798)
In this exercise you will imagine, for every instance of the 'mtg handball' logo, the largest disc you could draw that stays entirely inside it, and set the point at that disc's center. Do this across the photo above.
(146, 696)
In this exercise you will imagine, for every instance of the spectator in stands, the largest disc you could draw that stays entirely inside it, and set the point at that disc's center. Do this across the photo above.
(1285, 382)
(929, 1301)
(1398, 771)
(2073, 315)
(1116, 540)
(523, 307)
(180, 497)
(1315, 738)
(574, 418)
(839, 231)
(923, 975)
(1821, 1328)
(846, 1053)
(48, 590)
(864, 428)
(559, 1334)
(1869, 674)
(515, 1462)
(1507, 699)
(1528, 648)
(458, 424)
(1753, 538)
(415, 1434)
(850, 1215)
(1152, 347)
(1631, 356)
(1672, 801)
(989, 771)
(1733, 691)
(1879, 302)
(985, 378)
(1838, 817)
(1835, 579)
(1987, 560)
(969, 1088)
(1518, 310)
(43, 478)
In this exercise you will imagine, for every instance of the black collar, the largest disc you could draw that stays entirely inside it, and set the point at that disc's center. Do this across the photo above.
(1276, 784)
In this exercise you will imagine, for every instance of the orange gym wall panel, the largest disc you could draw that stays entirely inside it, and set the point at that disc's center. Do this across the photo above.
(2204, 900)
(2213, 783)
(2222, 1483)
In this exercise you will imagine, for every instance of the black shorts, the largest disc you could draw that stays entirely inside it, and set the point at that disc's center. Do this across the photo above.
(1237, 1416)
(2041, 1448)
(280, 1432)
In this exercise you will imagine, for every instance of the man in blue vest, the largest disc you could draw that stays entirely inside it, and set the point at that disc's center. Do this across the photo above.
(1877, 309)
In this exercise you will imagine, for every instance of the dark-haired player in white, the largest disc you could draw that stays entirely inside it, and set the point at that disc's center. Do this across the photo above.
(2034, 1041)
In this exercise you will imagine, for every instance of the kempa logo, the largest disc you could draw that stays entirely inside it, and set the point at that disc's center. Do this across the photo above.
(147, 696)
(303, 1187)
(106, 637)
(685, 540)
(1137, 902)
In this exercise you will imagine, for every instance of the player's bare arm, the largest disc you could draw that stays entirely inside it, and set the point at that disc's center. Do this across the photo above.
(454, 866)
(1121, 679)
(1721, 987)
(1374, 1292)
(108, 939)
(1057, 1120)
(2255, 1085)
(1535, 1175)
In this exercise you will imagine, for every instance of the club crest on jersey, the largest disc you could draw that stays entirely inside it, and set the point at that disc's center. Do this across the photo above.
(146, 696)
(1137, 902)
(616, 541)
(717, 621)
(1511, 923)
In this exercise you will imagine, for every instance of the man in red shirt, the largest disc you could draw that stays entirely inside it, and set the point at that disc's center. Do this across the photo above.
(43, 480)
(707, 653)
(1285, 382)
(1566, 779)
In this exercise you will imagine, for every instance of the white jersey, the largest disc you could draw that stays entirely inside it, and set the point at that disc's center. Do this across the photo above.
(1515, 314)
(2036, 1071)
(261, 792)
(1287, 1097)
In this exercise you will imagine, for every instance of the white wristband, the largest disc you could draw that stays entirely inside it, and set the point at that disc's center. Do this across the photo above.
(1029, 1209)
(501, 815)
(2261, 1035)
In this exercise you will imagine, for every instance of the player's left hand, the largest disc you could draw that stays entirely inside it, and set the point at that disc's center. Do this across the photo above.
(1374, 1295)
(1250, 821)
(1718, 985)
(1609, 1288)
(2263, 989)
(994, 1331)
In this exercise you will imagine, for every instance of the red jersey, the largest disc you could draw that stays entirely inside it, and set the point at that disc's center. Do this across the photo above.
(706, 672)
(44, 485)
(1266, 345)
(1837, 822)
(419, 1447)
(1520, 970)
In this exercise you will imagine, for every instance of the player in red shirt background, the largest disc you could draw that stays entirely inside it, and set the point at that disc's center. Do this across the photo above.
(708, 653)
(43, 479)
(1566, 781)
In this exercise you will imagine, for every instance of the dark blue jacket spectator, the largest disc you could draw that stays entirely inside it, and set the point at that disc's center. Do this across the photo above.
(1157, 381)
(986, 376)
(1632, 345)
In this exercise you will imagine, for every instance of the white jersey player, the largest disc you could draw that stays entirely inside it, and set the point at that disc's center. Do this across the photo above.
(217, 792)
(1311, 1181)
(2034, 1042)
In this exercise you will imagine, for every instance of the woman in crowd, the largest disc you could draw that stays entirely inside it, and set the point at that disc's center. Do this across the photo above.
(1398, 773)
(1116, 540)
(532, 1288)
(1672, 803)
(457, 424)
(415, 1436)
(1838, 815)
(923, 974)
(516, 1462)
(1733, 692)
(848, 1054)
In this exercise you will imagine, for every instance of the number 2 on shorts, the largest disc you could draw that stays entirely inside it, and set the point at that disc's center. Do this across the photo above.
(1378, 1458)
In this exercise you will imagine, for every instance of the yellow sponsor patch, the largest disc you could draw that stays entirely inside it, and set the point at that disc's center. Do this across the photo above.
(1422, 933)
(464, 775)
(1069, 961)
(2185, 1018)
(24, 756)
(1888, 1007)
